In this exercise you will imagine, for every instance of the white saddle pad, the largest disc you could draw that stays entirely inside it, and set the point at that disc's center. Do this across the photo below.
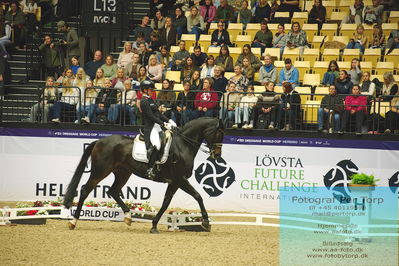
(139, 151)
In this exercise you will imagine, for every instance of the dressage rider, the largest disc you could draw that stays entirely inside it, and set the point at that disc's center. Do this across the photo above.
(154, 121)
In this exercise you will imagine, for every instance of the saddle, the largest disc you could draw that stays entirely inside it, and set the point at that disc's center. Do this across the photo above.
(139, 151)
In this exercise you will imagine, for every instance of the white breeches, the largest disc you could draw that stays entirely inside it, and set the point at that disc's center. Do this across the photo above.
(154, 136)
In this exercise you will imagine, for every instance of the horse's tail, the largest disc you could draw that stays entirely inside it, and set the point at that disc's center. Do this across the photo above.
(70, 194)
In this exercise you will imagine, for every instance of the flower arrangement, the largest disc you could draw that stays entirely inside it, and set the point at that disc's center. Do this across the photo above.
(363, 179)
(188, 219)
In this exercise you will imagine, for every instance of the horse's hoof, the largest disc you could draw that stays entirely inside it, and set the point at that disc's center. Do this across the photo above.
(128, 221)
(154, 231)
(71, 226)
(206, 226)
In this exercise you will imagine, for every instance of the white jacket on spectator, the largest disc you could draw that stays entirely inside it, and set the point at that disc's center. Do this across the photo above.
(248, 100)
(191, 22)
(204, 72)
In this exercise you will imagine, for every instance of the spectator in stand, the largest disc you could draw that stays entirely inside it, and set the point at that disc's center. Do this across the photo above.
(228, 106)
(48, 97)
(188, 69)
(69, 99)
(139, 40)
(80, 81)
(206, 101)
(355, 13)
(280, 38)
(126, 103)
(208, 71)
(219, 81)
(142, 75)
(166, 99)
(359, 39)
(110, 68)
(158, 22)
(208, 12)
(289, 6)
(225, 12)
(239, 79)
(355, 72)
(51, 56)
(220, 36)
(74, 64)
(266, 113)
(67, 74)
(355, 108)
(115, 108)
(29, 8)
(393, 40)
(317, 14)
(243, 111)
(289, 74)
(248, 70)
(99, 79)
(164, 59)
(144, 54)
(88, 103)
(373, 13)
(195, 23)
(224, 59)
(367, 87)
(195, 81)
(71, 40)
(154, 69)
(168, 35)
(144, 28)
(180, 22)
(105, 98)
(262, 12)
(5, 39)
(199, 58)
(290, 106)
(16, 18)
(343, 83)
(155, 44)
(246, 52)
(119, 81)
(132, 68)
(263, 38)
(268, 72)
(184, 104)
(92, 66)
(126, 56)
(332, 74)
(392, 116)
(180, 57)
(185, 5)
(329, 113)
(245, 14)
(155, 5)
(296, 38)
(389, 87)
(378, 40)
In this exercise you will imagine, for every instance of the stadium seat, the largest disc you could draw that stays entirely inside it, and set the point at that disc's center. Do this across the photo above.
(278, 89)
(259, 88)
(388, 27)
(190, 39)
(330, 6)
(191, 49)
(368, 31)
(307, 5)
(253, 28)
(273, 28)
(292, 53)
(320, 67)
(158, 86)
(228, 75)
(344, 65)
(256, 76)
(342, 39)
(329, 30)
(319, 93)
(330, 54)
(303, 67)
(178, 87)
(349, 54)
(282, 14)
(311, 55)
(310, 110)
(213, 51)
(212, 28)
(235, 53)
(235, 29)
(174, 49)
(311, 79)
(257, 51)
(336, 17)
(344, 5)
(393, 56)
(173, 75)
(383, 67)
(372, 55)
(393, 17)
(379, 77)
(366, 66)
(318, 41)
(273, 52)
(310, 29)
(243, 39)
(205, 40)
(304, 93)
(348, 30)
(301, 17)
(279, 65)
(382, 108)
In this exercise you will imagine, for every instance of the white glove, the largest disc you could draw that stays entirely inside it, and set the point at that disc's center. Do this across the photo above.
(168, 126)
(172, 123)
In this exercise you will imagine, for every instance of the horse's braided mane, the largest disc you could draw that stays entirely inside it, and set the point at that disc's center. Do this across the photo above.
(189, 125)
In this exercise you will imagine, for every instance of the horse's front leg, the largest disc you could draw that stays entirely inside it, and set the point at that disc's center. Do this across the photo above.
(188, 188)
(170, 191)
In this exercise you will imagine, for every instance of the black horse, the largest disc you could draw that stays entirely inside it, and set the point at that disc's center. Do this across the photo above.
(113, 154)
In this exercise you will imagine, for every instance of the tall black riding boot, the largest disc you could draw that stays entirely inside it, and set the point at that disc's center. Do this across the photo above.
(151, 172)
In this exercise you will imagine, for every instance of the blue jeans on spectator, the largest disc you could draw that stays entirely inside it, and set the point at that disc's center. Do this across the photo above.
(197, 31)
(355, 45)
(229, 113)
(83, 111)
(244, 112)
(258, 45)
(183, 117)
(59, 106)
(197, 113)
(179, 31)
(322, 115)
(115, 110)
(97, 111)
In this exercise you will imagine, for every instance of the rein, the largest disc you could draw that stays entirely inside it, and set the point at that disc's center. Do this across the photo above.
(191, 141)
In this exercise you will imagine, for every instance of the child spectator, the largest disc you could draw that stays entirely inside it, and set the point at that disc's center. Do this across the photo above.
(332, 74)
(243, 111)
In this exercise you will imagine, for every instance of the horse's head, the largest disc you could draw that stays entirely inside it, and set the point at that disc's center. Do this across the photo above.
(214, 137)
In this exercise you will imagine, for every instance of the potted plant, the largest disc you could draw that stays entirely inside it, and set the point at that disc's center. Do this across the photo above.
(362, 180)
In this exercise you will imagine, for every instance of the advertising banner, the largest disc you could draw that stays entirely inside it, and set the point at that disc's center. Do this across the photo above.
(38, 164)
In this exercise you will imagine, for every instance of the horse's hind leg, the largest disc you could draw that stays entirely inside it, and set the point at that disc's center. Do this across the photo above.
(121, 177)
(186, 187)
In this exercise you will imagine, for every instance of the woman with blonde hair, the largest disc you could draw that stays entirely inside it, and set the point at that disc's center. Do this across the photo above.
(99, 79)
(69, 99)
(154, 69)
(88, 104)
(389, 87)
(126, 56)
(359, 39)
(49, 96)
(68, 73)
